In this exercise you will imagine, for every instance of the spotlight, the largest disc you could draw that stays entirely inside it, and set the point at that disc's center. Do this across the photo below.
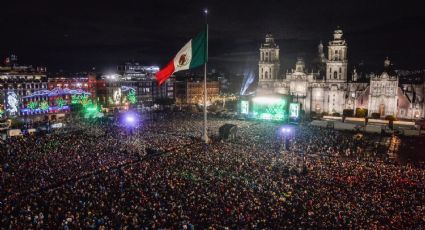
(130, 119)
(285, 130)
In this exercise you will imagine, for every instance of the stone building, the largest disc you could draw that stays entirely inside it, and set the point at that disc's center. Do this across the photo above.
(327, 88)
(190, 91)
(16, 83)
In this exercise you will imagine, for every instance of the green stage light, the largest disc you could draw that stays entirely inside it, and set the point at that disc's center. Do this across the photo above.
(266, 116)
(270, 108)
(279, 116)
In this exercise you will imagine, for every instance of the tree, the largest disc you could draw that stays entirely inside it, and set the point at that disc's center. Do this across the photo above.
(361, 112)
(390, 118)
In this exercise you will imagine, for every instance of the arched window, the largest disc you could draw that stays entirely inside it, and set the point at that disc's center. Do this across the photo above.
(262, 56)
(335, 75)
(266, 75)
(340, 70)
(267, 56)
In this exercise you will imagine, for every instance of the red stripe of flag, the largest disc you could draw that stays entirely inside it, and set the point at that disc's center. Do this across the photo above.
(165, 73)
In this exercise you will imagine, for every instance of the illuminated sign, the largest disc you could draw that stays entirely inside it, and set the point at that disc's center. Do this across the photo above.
(57, 92)
(117, 96)
(44, 105)
(244, 107)
(294, 110)
(131, 96)
(12, 103)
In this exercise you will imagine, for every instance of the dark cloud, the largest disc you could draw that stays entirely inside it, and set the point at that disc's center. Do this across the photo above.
(77, 35)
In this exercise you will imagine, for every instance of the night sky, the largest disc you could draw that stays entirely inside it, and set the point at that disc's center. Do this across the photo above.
(79, 35)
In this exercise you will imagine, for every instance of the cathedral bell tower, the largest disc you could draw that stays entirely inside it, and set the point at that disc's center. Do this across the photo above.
(269, 65)
(336, 65)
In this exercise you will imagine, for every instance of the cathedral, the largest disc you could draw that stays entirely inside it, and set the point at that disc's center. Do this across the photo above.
(327, 89)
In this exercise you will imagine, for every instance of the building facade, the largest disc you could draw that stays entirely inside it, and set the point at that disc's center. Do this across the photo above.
(190, 91)
(135, 85)
(328, 88)
(268, 66)
(72, 89)
(17, 82)
(84, 81)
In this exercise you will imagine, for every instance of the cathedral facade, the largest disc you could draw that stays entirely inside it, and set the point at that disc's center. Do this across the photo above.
(328, 89)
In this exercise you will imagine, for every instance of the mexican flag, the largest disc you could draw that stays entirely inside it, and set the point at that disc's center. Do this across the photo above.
(192, 55)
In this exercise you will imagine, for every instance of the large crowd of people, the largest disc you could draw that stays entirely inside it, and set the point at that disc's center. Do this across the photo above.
(162, 176)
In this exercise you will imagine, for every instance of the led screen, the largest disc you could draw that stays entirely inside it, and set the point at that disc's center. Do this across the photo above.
(244, 107)
(269, 108)
(294, 110)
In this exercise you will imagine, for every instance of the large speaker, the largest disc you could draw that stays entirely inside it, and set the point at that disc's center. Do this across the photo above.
(227, 132)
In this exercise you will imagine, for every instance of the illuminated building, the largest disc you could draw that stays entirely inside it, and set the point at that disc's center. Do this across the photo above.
(326, 87)
(16, 82)
(135, 85)
(85, 82)
(190, 91)
(142, 79)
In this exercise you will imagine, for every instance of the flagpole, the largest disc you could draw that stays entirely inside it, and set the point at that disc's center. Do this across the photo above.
(205, 136)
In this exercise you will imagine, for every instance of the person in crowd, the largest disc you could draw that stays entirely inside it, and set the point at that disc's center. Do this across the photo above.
(99, 176)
